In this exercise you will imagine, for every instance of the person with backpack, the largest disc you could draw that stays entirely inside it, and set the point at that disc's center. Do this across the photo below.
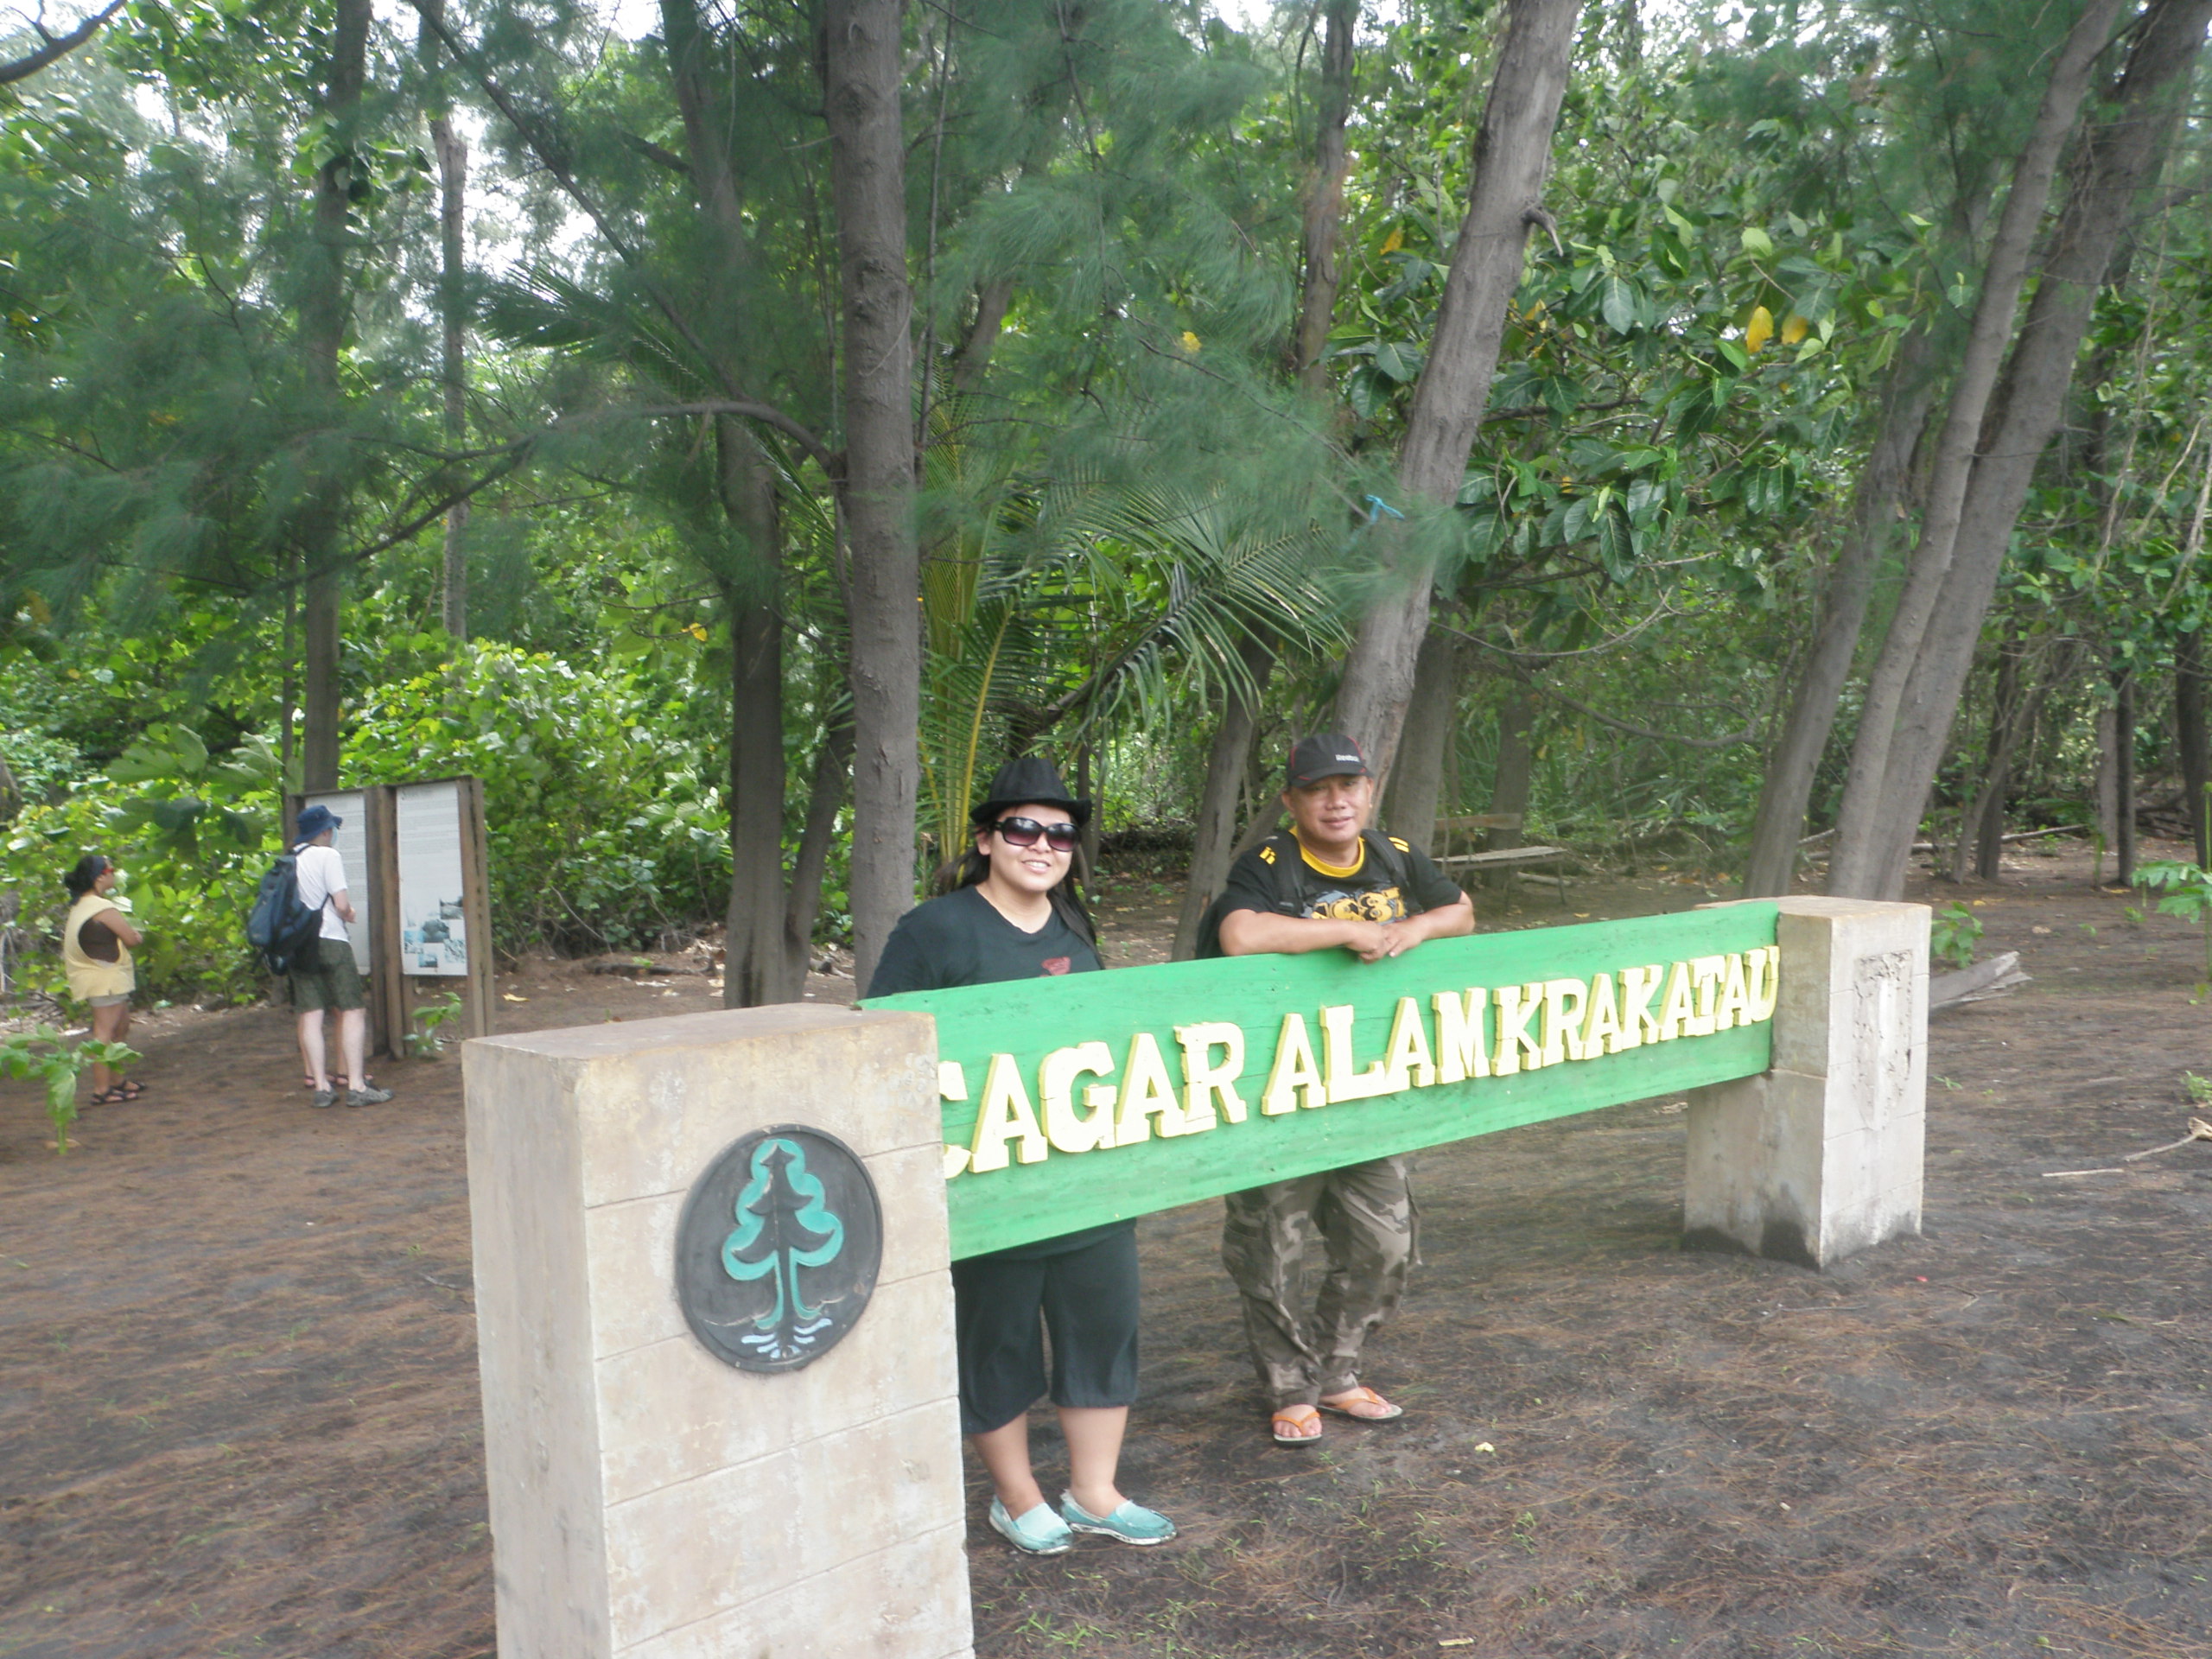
(1014, 913)
(1328, 884)
(324, 975)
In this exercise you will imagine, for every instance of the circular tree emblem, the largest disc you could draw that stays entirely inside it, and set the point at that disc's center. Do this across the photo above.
(778, 1250)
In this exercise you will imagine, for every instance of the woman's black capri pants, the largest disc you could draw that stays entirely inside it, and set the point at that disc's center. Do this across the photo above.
(1088, 1296)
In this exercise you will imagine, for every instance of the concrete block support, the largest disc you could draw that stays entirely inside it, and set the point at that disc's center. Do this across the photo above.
(1821, 1157)
(647, 1500)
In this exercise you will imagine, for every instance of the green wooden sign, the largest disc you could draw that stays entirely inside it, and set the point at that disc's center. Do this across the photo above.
(1070, 1102)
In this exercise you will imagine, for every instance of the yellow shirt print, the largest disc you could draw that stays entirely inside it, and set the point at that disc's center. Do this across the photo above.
(1375, 905)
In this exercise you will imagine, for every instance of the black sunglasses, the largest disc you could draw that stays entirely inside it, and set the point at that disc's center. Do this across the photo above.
(1023, 832)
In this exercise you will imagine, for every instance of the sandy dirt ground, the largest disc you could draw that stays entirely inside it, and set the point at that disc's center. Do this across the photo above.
(238, 1408)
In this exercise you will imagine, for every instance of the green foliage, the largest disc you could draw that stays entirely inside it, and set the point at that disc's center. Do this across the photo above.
(2188, 891)
(1952, 931)
(601, 833)
(48, 1055)
(426, 1041)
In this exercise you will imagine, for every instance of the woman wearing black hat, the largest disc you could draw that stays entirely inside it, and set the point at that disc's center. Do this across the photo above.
(1013, 914)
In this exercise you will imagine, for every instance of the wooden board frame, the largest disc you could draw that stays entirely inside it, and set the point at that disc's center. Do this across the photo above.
(393, 993)
(1012, 1180)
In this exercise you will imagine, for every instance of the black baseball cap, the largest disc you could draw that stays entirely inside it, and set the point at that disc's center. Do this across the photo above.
(1326, 754)
(1025, 778)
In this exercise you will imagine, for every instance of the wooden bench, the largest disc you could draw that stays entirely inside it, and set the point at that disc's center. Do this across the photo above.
(1492, 859)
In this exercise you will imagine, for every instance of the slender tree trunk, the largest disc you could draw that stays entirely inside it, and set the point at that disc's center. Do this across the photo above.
(323, 315)
(1409, 802)
(974, 357)
(1866, 862)
(2190, 736)
(868, 180)
(1215, 832)
(1981, 824)
(2114, 164)
(453, 309)
(1787, 789)
(1324, 200)
(759, 966)
(1512, 155)
(2123, 774)
(2106, 784)
(1516, 754)
(452, 153)
(287, 691)
(833, 764)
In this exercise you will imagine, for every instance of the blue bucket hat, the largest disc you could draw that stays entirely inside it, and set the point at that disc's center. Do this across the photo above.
(312, 822)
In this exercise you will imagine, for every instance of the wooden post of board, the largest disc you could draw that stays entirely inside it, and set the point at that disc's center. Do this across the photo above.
(387, 987)
(443, 906)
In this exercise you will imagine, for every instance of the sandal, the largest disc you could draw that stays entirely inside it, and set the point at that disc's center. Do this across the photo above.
(1295, 1426)
(114, 1096)
(1362, 1404)
(127, 1090)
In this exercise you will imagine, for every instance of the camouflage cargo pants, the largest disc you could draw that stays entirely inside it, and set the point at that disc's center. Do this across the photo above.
(1365, 1214)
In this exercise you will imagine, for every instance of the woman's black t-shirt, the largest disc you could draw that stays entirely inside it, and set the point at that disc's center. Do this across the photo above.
(962, 940)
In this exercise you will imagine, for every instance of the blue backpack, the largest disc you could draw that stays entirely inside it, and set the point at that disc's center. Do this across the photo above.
(281, 926)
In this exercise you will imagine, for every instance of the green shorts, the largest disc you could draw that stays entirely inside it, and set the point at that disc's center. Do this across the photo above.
(333, 981)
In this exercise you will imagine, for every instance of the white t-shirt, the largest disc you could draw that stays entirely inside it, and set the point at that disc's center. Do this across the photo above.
(322, 872)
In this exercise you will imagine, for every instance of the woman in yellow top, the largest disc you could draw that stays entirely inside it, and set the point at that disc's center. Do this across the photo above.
(97, 940)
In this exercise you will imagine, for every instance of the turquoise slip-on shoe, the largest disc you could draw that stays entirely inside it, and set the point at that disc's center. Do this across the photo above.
(1038, 1533)
(1132, 1523)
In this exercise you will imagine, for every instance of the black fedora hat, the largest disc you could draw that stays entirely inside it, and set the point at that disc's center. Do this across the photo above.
(1027, 777)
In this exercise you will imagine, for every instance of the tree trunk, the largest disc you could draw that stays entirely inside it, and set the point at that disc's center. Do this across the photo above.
(974, 357)
(452, 153)
(1215, 833)
(2189, 733)
(323, 315)
(2114, 164)
(453, 309)
(1981, 823)
(1410, 803)
(1516, 754)
(833, 763)
(1324, 200)
(1868, 860)
(867, 180)
(1512, 155)
(759, 966)
(1787, 789)
(2123, 776)
(2106, 786)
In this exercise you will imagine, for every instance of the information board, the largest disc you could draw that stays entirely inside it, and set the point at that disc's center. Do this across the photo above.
(1072, 1101)
(433, 883)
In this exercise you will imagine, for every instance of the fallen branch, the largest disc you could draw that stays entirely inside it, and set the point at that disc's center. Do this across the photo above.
(2198, 1130)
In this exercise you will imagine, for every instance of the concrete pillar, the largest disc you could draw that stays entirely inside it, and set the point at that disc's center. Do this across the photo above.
(649, 1500)
(1820, 1156)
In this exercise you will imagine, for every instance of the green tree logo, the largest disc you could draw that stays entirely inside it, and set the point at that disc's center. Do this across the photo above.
(784, 1223)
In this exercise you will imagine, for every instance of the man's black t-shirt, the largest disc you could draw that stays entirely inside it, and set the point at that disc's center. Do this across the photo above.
(961, 939)
(1368, 891)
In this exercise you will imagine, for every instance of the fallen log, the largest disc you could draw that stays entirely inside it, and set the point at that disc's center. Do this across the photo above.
(2001, 974)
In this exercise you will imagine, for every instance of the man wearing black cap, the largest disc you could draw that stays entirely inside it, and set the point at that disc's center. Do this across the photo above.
(1330, 884)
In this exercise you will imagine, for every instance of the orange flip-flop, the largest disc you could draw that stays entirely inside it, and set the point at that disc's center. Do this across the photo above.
(1302, 1422)
(1362, 1404)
